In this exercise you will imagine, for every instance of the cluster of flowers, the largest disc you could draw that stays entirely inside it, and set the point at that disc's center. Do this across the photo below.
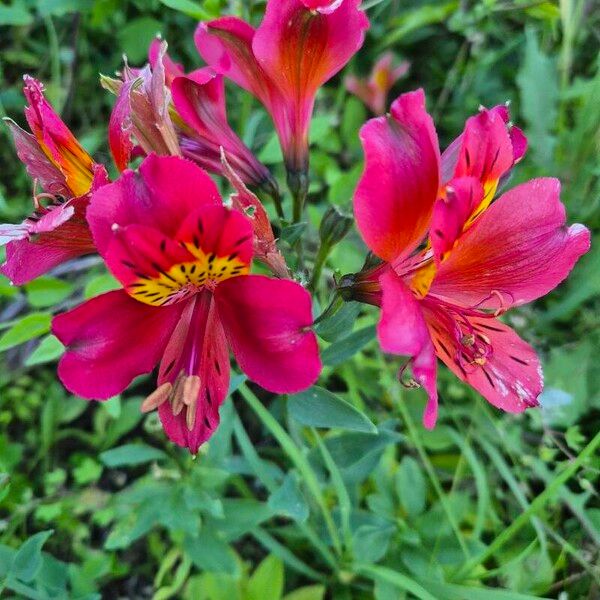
(448, 257)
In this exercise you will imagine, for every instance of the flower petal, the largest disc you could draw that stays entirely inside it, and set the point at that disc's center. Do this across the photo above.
(212, 368)
(302, 44)
(56, 139)
(226, 45)
(38, 165)
(402, 330)
(111, 340)
(510, 378)
(450, 213)
(120, 125)
(517, 251)
(267, 322)
(201, 105)
(395, 196)
(166, 190)
(59, 235)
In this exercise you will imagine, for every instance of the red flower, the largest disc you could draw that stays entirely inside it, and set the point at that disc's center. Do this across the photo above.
(442, 299)
(183, 260)
(56, 231)
(299, 45)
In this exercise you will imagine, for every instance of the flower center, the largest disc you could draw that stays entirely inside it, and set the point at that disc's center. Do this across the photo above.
(185, 279)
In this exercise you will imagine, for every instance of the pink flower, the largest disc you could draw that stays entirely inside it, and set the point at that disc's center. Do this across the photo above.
(442, 299)
(57, 230)
(299, 45)
(183, 260)
(374, 91)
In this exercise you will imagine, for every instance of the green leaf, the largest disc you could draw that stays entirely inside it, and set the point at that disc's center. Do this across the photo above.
(25, 329)
(47, 291)
(411, 486)
(288, 500)
(136, 36)
(62, 7)
(50, 349)
(267, 581)
(100, 285)
(538, 82)
(87, 471)
(317, 407)
(347, 347)
(15, 14)
(309, 592)
(131, 455)
(28, 559)
(334, 327)
(189, 8)
(210, 553)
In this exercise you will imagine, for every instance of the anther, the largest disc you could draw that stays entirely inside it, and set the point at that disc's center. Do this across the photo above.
(191, 389)
(157, 398)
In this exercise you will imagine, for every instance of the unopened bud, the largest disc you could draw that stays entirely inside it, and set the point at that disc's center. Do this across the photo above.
(334, 227)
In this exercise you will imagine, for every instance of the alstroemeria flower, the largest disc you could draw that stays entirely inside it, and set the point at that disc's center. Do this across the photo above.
(183, 260)
(299, 45)
(374, 90)
(443, 298)
(57, 230)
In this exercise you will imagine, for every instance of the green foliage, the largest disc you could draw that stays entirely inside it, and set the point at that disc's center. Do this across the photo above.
(338, 493)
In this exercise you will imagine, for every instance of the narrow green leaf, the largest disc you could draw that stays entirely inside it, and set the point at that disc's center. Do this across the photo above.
(347, 347)
(131, 455)
(47, 291)
(25, 329)
(50, 349)
(411, 486)
(317, 407)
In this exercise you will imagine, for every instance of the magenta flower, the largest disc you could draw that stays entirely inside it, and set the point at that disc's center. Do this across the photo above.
(442, 299)
(374, 90)
(299, 45)
(57, 230)
(183, 260)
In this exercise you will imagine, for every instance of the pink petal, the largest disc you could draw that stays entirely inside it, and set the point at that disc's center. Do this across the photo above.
(162, 195)
(226, 45)
(61, 234)
(172, 69)
(202, 107)
(323, 6)
(395, 196)
(450, 213)
(56, 140)
(268, 324)
(486, 151)
(138, 251)
(220, 231)
(120, 126)
(299, 50)
(511, 377)
(111, 340)
(517, 137)
(402, 330)
(212, 367)
(38, 165)
(518, 250)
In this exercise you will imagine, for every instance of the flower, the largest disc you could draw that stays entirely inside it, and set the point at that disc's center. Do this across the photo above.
(481, 258)
(56, 231)
(374, 91)
(183, 260)
(299, 45)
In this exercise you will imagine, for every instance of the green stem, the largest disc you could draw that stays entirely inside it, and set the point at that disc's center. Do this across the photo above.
(299, 460)
(552, 489)
(320, 259)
